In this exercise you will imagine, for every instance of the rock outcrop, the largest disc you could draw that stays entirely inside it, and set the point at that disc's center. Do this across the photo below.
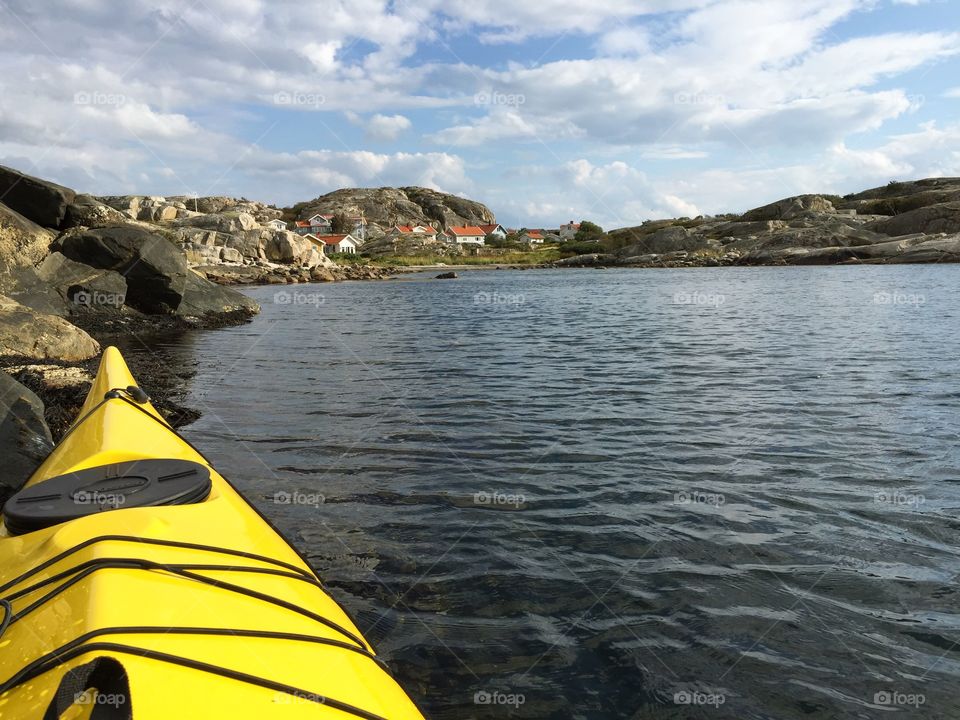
(790, 208)
(156, 271)
(22, 241)
(83, 285)
(24, 332)
(386, 206)
(809, 229)
(939, 218)
(42, 202)
(25, 438)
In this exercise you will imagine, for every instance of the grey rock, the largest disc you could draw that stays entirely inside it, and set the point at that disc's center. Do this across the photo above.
(40, 201)
(87, 211)
(25, 439)
(231, 255)
(24, 285)
(22, 241)
(228, 222)
(789, 208)
(32, 334)
(669, 239)
(385, 207)
(156, 271)
(941, 218)
(83, 285)
(202, 297)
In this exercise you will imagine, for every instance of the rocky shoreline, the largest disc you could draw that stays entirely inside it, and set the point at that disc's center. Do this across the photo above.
(79, 272)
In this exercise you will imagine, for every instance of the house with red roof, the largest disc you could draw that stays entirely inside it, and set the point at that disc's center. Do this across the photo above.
(533, 237)
(331, 244)
(421, 233)
(302, 227)
(569, 231)
(494, 229)
(466, 235)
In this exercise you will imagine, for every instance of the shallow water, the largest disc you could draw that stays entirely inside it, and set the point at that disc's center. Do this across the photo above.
(723, 493)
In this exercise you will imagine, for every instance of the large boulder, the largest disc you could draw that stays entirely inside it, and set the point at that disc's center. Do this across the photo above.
(28, 333)
(203, 254)
(790, 208)
(87, 211)
(203, 297)
(227, 222)
(25, 286)
(22, 241)
(942, 218)
(251, 244)
(83, 285)
(25, 439)
(283, 246)
(156, 271)
(45, 203)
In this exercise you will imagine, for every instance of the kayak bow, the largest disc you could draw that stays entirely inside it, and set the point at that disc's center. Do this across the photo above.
(136, 582)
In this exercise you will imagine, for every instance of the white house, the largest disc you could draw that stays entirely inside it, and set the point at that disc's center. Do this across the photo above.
(497, 230)
(569, 231)
(423, 233)
(277, 224)
(321, 220)
(532, 237)
(340, 243)
(466, 235)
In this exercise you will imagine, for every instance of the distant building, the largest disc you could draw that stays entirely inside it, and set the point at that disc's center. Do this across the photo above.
(359, 226)
(466, 235)
(276, 224)
(497, 230)
(321, 220)
(340, 243)
(314, 225)
(422, 233)
(532, 237)
(318, 244)
(569, 231)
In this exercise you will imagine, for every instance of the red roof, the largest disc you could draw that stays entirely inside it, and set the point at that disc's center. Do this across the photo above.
(488, 228)
(467, 230)
(409, 228)
(535, 234)
(303, 223)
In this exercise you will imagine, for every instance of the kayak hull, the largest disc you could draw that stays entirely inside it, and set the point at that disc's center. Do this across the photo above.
(210, 583)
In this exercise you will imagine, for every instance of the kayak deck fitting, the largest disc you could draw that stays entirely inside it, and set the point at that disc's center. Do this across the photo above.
(136, 582)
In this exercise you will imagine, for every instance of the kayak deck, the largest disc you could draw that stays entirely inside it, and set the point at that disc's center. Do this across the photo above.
(207, 608)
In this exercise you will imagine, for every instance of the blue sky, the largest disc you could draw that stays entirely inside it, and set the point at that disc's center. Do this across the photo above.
(617, 111)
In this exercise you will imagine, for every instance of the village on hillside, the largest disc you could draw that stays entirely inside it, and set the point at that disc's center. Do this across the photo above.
(341, 234)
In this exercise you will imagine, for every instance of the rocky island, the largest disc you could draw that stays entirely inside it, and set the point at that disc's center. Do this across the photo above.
(902, 222)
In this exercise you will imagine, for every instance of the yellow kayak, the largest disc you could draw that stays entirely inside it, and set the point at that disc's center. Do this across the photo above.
(136, 582)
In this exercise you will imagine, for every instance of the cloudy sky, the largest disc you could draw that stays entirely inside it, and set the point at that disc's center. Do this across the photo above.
(613, 110)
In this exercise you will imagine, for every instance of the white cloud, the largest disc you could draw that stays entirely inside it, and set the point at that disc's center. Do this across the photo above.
(740, 84)
(387, 127)
(507, 124)
(952, 93)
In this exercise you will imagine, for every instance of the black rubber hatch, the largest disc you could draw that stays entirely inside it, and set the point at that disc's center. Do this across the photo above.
(138, 483)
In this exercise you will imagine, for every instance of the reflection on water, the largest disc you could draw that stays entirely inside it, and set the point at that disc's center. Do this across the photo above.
(654, 494)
